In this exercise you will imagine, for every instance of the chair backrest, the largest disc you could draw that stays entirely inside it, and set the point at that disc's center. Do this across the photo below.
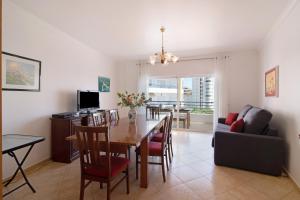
(99, 118)
(114, 115)
(165, 131)
(94, 147)
(170, 123)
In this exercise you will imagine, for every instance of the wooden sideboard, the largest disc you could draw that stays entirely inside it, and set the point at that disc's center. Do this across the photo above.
(61, 149)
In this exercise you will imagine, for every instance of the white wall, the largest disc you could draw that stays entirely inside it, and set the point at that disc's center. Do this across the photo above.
(242, 79)
(241, 75)
(67, 65)
(282, 47)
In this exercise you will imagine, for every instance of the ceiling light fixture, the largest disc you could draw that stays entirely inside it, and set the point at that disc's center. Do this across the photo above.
(163, 57)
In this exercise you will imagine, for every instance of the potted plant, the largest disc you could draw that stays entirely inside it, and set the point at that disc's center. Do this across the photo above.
(133, 101)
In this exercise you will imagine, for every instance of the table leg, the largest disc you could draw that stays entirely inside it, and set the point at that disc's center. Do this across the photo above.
(144, 163)
(12, 154)
(188, 120)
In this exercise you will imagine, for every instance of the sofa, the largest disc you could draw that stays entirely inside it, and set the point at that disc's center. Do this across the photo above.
(257, 148)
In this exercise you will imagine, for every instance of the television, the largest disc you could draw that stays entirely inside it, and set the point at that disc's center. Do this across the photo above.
(87, 100)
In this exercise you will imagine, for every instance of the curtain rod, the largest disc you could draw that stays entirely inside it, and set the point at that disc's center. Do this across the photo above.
(185, 60)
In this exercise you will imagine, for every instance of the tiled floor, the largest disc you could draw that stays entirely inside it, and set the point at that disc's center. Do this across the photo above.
(193, 175)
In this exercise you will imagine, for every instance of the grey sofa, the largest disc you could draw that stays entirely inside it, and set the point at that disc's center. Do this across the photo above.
(258, 148)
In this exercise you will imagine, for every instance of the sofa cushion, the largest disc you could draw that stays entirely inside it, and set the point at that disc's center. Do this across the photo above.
(231, 117)
(256, 120)
(222, 127)
(244, 111)
(237, 126)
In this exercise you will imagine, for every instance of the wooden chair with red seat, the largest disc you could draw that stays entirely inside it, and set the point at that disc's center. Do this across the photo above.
(101, 119)
(113, 115)
(96, 162)
(113, 120)
(157, 149)
(158, 137)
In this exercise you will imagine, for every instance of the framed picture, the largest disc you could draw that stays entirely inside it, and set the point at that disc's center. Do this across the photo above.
(272, 82)
(20, 73)
(103, 84)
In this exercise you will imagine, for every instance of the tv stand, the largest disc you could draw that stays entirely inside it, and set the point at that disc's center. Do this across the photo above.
(62, 126)
(61, 149)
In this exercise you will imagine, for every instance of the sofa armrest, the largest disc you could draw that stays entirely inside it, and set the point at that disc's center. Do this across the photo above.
(221, 120)
(249, 151)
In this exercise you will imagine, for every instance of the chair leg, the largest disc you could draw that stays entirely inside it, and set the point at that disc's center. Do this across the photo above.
(127, 180)
(129, 152)
(108, 190)
(163, 168)
(169, 151)
(101, 185)
(136, 166)
(82, 181)
(167, 161)
(171, 144)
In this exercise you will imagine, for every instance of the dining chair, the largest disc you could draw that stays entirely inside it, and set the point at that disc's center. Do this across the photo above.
(100, 119)
(158, 137)
(157, 149)
(113, 115)
(96, 162)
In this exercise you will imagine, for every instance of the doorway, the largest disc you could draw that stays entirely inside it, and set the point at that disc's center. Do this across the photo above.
(191, 98)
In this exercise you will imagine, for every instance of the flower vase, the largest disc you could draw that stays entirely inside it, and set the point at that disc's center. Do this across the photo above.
(132, 115)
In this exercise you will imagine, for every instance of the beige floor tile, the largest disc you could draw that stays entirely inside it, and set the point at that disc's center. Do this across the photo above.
(247, 193)
(223, 196)
(186, 173)
(293, 195)
(274, 187)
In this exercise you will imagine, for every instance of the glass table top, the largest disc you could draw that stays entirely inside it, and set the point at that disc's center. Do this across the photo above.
(11, 142)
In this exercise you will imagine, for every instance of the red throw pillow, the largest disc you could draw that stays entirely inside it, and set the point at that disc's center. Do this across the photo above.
(237, 126)
(231, 117)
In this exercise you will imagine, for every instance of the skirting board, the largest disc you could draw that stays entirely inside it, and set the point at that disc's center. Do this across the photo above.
(291, 177)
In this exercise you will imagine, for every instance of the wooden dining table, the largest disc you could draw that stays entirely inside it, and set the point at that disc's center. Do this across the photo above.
(134, 134)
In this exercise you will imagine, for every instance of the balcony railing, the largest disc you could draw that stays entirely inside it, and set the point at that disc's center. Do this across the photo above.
(197, 107)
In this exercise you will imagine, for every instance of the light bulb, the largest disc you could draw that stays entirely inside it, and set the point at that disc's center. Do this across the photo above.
(174, 59)
(152, 60)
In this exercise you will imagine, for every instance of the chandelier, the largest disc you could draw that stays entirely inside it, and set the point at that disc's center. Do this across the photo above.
(163, 57)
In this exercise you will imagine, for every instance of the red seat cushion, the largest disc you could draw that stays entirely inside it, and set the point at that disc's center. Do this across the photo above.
(237, 126)
(231, 117)
(117, 165)
(155, 148)
(158, 137)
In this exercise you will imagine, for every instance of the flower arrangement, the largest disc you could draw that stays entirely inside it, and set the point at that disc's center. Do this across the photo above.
(132, 100)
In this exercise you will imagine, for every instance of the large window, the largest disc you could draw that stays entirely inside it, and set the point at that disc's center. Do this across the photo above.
(195, 94)
(163, 90)
(198, 94)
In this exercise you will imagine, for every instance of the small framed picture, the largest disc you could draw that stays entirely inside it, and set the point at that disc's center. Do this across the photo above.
(103, 84)
(272, 82)
(20, 73)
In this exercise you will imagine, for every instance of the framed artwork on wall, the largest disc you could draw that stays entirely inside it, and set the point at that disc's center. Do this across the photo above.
(20, 73)
(272, 82)
(103, 84)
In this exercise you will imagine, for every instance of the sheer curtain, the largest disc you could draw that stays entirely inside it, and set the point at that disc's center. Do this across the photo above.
(143, 82)
(221, 87)
(218, 67)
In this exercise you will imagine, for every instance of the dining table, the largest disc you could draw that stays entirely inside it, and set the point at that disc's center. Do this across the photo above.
(136, 134)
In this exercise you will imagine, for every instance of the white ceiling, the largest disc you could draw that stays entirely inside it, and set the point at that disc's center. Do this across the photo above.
(130, 28)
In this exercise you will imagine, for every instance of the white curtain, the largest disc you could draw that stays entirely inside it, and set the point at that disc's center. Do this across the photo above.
(143, 81)
(221, 87)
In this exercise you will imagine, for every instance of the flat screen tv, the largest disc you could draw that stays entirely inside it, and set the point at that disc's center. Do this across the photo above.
(87, 100)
